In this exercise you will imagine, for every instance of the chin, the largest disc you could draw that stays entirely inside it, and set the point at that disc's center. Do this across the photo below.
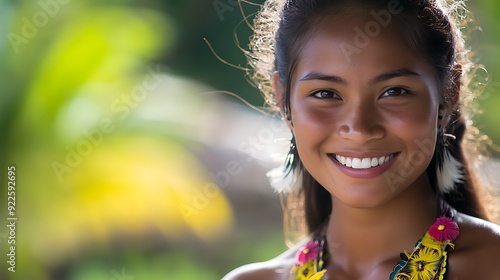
(365, 198)
(363, 203)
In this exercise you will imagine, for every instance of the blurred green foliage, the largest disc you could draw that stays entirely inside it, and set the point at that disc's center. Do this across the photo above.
(62, 77)
(90, 167)
(487, 13)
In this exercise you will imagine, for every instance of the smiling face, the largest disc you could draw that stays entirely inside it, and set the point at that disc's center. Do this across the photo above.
(365, 124)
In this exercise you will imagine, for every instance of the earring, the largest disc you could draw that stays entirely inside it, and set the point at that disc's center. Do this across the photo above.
(286, 177)
(449, 170)
(288, 117)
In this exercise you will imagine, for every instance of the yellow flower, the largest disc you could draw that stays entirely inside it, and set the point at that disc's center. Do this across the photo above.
(428, 241)
(318, 276)
(307, 271)
(304, 271)
(423, 266)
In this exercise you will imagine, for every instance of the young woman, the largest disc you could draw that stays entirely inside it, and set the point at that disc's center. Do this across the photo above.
(375, 94)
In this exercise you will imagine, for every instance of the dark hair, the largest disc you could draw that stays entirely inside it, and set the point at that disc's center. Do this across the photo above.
(429, 28)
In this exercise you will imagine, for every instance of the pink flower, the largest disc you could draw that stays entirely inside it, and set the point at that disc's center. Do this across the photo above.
(307, 253)
(444, 229)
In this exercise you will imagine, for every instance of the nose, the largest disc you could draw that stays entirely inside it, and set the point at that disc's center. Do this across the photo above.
(361, 124)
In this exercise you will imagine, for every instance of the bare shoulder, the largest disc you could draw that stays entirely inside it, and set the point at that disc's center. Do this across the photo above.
(478, 233)
(274, 269)
(476, 249)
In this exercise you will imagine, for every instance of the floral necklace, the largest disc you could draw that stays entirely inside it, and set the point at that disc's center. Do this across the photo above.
(426, 262)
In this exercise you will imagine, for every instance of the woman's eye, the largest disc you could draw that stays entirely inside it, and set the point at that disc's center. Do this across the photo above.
(324, 94)
(394, 92)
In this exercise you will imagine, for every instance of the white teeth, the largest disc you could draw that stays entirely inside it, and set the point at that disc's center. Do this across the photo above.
(342, 160)
(366, 163)
(348, 162)
(356, 163)
(363, 163)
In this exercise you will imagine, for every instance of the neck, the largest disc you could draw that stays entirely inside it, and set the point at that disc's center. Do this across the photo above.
(366, 238)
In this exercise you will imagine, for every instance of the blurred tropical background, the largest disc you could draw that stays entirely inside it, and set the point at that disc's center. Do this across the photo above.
(130, 161)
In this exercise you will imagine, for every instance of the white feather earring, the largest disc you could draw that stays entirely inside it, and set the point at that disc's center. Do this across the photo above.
(286, 177)
(449, 169)
(283, 180)
(449, 172)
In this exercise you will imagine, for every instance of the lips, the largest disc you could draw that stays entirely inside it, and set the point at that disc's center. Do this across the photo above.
(363, 163)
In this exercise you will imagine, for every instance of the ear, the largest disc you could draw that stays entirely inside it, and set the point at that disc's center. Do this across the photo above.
(279, 91)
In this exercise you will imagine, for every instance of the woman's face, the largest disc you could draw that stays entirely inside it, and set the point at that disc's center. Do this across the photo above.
(364, 111)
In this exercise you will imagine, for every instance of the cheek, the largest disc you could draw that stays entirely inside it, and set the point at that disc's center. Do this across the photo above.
(312, 126)
(416, 120)
(415, 129)
(410, 122)
(417, 136)
(314, 120)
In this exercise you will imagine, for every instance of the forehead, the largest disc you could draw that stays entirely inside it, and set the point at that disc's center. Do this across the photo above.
(359, 43)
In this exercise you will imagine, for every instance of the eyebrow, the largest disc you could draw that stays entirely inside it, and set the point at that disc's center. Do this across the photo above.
(323, 77)
(402, 72)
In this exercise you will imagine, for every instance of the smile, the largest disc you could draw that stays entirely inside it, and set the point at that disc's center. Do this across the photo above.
(363, 163)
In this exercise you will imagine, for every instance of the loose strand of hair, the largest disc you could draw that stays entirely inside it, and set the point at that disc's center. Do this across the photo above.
(245, 17)
(221, 59)
(239, 98)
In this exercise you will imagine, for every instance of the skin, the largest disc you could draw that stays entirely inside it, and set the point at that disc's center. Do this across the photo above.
(380, 101)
